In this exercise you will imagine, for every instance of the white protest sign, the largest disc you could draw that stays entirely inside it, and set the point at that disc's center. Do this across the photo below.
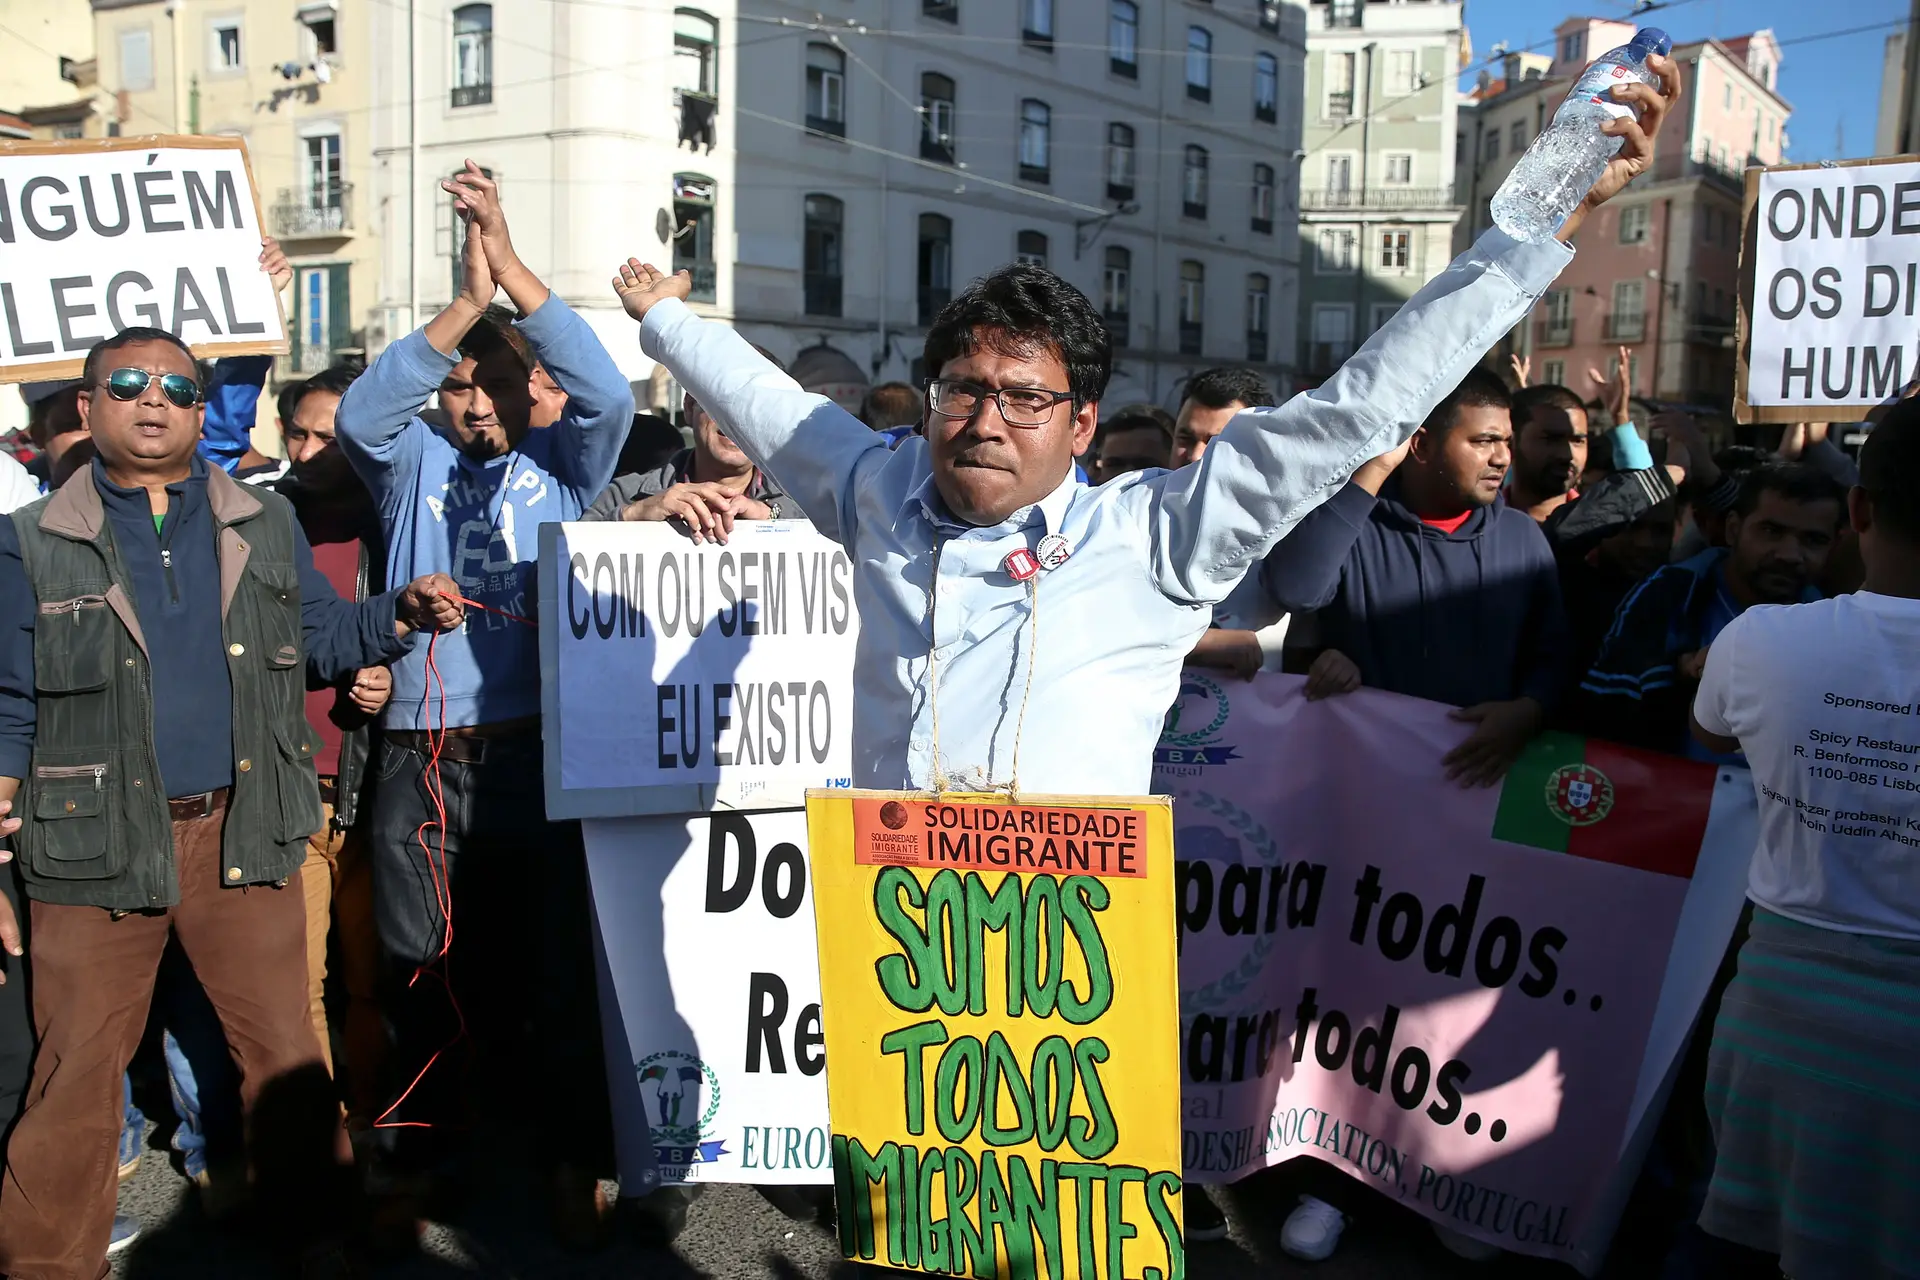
(1831, 327)
(106, 235)
(730, 667)
(715, 1061)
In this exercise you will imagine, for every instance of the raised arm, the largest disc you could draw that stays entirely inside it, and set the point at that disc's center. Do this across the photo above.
(808, 443)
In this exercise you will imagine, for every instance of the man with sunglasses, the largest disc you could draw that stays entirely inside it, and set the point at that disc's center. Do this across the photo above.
(156, 625)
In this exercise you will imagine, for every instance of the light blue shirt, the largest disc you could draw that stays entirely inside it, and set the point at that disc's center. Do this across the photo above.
(1152, 553)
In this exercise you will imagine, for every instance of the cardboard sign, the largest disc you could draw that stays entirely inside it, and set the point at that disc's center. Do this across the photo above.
(1000, 998)
(99, 236)
(1830, 289)
(714, 674)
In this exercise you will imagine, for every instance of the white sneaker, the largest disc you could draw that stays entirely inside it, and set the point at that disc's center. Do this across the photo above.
(1466, 1246)
(1312, 1231)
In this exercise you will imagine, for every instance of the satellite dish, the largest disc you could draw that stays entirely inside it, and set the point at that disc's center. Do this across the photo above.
(663, 226)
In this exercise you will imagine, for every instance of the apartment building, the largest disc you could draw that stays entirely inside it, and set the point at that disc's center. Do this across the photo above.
(831, 181)
(1658, 267)
(1377, 201)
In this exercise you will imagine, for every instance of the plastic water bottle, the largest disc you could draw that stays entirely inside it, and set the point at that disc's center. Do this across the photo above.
(1571, 153)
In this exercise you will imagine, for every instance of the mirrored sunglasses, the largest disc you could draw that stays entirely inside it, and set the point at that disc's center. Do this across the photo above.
(130, 384)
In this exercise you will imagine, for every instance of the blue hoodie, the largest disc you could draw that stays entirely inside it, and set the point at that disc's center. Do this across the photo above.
(1462, 618)
(479, 522)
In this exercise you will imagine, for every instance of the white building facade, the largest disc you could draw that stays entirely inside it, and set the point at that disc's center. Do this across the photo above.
(830, 182)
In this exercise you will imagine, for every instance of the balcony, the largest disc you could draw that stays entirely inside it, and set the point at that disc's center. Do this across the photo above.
(1266, 112)
(826, 127)
(1190, 335)
(1380, 198)
(1344, 14)
(1194, 209)
(1119, 192)
(944, 10)
(316, 214)
(1553, 333)
(1035, 173)
(704, 277)
(1040, 40)
(1256, 346)
(1118, 326)
(1340, 105)
(1261, 226)
(1126, 68)
(822, 294)
(473, 95)
(1626, 326)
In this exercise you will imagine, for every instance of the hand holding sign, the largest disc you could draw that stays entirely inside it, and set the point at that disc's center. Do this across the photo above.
(1635, 156)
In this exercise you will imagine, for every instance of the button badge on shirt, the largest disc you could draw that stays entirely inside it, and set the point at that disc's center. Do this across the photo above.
(1020, 565)
(1054, 551)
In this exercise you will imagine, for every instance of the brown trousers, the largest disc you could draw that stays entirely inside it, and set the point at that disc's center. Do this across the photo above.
(93, 978)
(337, 880)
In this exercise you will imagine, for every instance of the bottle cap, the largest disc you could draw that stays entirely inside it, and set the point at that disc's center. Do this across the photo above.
(1653, 40)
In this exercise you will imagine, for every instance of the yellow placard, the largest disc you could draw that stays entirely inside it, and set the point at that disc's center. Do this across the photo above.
(1000, 998)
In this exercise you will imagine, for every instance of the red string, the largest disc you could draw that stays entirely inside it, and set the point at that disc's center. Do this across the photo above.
(437, 872)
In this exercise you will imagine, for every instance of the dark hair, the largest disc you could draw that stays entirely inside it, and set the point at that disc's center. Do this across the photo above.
(651, 442)
(1022, 310)
(1890, 470)
(1547, 395)
(335, 378)
(97, 354)
(1139, 417)
(1478, 390)
(891, 404)
(493, 332)
(1218, 388)
(1794, 481)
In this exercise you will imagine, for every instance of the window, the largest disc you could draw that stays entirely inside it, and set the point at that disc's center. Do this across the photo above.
(1269, 14)
(936, 265)
(696, 43)
(826, 90)
(1633, 367)
(321, 315)
(1379, 313)
(472, 55)
(322, 42)
(1573, 48)
(1700, 297)
(1123, 38)
(821, 282)
(1336, 251)
(136, 59)
(1332, 338)
(324, 173)
(1259, 307)
(1199, 64)
(1036, 22)
(1343, 13)
(226, 46)
(1492, 146)
(1030, 248)
(1402, 70)
(1554, 372)
(1559, 308)
(1395, 250)
(1339, 77)
(1193, 306)
(1262, 204)
(1517, 137)
(936, 118)
(72, 129)
(1633, 224)
(1266, 88)
(1036, 141)
(944, 10)
(1707, 232)
(1119, 162)
(693, 195)
(1399, 166)
(1193, 183)
(1339, 177)
(1628, 323)
(1116, 292)
(1728, 87)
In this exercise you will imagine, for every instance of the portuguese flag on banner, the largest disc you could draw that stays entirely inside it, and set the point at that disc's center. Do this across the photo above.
(1599, 800)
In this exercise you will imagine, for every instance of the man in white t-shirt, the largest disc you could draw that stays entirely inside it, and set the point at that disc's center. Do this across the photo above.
(1824, 699)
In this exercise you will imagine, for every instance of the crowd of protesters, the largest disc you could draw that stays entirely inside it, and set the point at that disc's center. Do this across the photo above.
(362, 612)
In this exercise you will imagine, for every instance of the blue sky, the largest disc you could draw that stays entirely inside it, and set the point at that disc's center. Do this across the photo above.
(1831, 80)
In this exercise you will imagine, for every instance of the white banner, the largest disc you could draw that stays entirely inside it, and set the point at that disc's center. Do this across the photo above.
(105, 235)
(675, 664)
(715, 1061)
(1836, 285)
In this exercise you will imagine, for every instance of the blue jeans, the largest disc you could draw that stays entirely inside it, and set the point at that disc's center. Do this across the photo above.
(201, 1077)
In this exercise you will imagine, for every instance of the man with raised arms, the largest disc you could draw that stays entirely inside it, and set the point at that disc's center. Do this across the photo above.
(1022, 630)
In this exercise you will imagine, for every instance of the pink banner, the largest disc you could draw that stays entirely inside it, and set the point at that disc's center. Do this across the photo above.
(1472, 1024)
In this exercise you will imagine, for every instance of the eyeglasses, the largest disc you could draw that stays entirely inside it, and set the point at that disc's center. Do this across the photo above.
(131, 384)
(1020, 406)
